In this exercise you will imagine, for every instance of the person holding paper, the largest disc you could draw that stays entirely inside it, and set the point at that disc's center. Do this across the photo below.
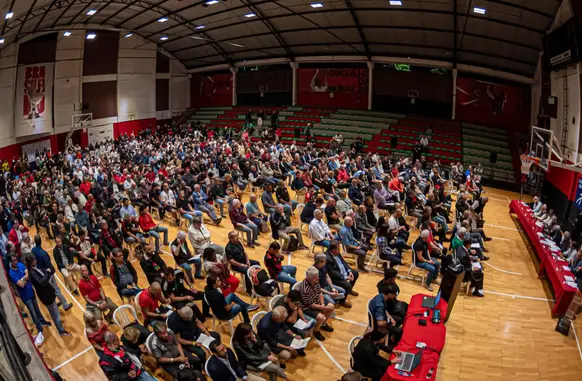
(273, 330)
(224, 366)
(253, 351)
(474, 274)
(149, 302)
(173, 287)
(331, 293)
(190, 331)
(297, 322)
(313, 304)
(339, 271)
(184, 258)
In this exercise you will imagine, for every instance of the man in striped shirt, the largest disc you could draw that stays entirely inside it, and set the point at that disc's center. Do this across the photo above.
(312, 303)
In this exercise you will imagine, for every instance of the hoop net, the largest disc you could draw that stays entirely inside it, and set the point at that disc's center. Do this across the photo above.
(526, 162)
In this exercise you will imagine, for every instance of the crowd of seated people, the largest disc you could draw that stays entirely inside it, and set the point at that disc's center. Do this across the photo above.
(105, 206)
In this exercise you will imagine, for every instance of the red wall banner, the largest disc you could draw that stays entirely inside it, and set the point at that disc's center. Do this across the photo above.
(493, 104)
(342, 88)
(211, 90)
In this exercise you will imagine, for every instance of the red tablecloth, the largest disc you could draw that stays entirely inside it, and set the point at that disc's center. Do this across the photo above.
(549, 265)
(431, 334)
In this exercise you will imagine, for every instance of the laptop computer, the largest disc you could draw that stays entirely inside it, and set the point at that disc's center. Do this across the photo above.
(409, 361)
(430, 302)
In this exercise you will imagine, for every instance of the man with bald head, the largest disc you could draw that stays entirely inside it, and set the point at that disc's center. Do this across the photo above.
(97, 302)
(149, 302)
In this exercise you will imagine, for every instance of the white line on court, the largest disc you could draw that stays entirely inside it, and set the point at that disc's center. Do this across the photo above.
(577, 342)
(69, 292)
(514, 296)
(166, 253)
(502, 227)
(330, 356)
(503, 239)
(350, 321)
(289, 259)
(73, 358)
(501, 270)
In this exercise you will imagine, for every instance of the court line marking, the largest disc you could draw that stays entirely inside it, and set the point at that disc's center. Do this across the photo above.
(577, 341)
(503, 239)
(350, 321)
(514, 296)
(501, 270)
(70, 294)
(166, 253)
(498, 199)
(496, 194)
(502, 227)
(324, 349)
(73, 358)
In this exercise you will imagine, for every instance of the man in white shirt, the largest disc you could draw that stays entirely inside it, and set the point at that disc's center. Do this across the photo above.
(199, 237)
(343, 204)
(168, 200)
(70, 212)
(319, 232)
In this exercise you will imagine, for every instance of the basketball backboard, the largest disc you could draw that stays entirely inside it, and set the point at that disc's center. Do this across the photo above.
(544, 146)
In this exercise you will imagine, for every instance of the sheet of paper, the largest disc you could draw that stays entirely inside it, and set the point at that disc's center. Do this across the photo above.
(569, 278)
(572, 284)
(301, 325)
(539, 224)
(299, 344)
(567, 268)
(264, 365)
(205, 340)
(475, 246)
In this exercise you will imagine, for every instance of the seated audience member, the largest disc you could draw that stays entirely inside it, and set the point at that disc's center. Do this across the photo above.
(268, 200)
(225, 308)
(149, 302)
(66, 264)
(131, 230)
(355, 194)
(223, 365)
(201, 204)
(366, 356)
(331, 293)
(385, 249)
(148, 226)
(273, 262)
(542, 213)
(134, 339)
(473, 269)
(199, 237)
(238, 258)
(254, 212)
(273, 330)
(381, 318)
(151, 263)
(188, 329)
(313, 303)
(425, 261)
(173, 288)
(339, 271)
(123, 275)
(109, 239)
(308, 212)
(281, 230)
(352, 245)
(396, 308)
(95, 330)
(253, 352)
(284, 199)
(184, 258)
(319, 232)
(535, 205)
(219, 267)
(172, 357)
(185, 208)
(332, 215)
(116, 363)
(97, 302)
(291, 304)
(241, 223)
(343, 204)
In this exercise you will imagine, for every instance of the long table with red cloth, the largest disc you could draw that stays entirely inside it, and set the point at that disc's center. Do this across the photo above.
(550, 266)
(433, 335)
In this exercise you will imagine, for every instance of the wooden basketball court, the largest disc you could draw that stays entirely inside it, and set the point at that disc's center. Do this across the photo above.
(507, 335)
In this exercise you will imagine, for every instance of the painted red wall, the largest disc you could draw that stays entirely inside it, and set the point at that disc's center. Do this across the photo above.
(13, 151)
(134, 126)
(211, 90)
(493, 104)
(565, 180)
(314, 88)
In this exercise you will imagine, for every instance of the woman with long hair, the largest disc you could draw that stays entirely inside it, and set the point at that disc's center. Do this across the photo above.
(95, 331)
(253, 352)
(220, 268)
(385, 249)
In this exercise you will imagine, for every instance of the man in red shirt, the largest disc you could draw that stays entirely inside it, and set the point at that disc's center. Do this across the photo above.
(97, 301)
(149, 302)
(85, 187)
(147, 224)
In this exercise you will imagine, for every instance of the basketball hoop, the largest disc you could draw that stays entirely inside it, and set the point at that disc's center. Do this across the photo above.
(526, 162)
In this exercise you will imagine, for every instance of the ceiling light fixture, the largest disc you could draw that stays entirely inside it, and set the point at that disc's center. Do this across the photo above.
(211, 2)
(479, 10)
(91, 36)
(316, 5)
(164, 38)
(91, 12)
(249, 15)
(200, 27)
(67, 34)
(1, 40)
(237, 45)
(9, 15)
(198, 38)
(395, 2)
(163, 19)
(128, 35)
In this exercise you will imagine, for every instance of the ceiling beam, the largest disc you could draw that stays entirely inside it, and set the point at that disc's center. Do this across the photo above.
(122, 9)
(62, 13)
(171, 13)
(271, 28)
(72, 21)
(360, 30)
(6, 21)
(146, 9)
(26, 17)
(524, 8)
(51, 5)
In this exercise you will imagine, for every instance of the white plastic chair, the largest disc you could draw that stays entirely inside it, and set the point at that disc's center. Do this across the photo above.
(414, 266)
(206, 366)
(370, 317)
(221, 322)
(352, 344)
(253, 293)
(375, 260)
(120, 315)
(274, 300)
(255, 320)
(136, 302)
(313, 246)
(149, 340)
(296, 286)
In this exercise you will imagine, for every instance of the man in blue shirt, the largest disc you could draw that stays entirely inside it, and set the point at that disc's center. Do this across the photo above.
(43, 262)
(380, 317)
(352, 245)
(18, 274)
(200, 199)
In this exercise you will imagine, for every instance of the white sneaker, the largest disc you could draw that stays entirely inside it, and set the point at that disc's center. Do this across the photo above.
(39, 339)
